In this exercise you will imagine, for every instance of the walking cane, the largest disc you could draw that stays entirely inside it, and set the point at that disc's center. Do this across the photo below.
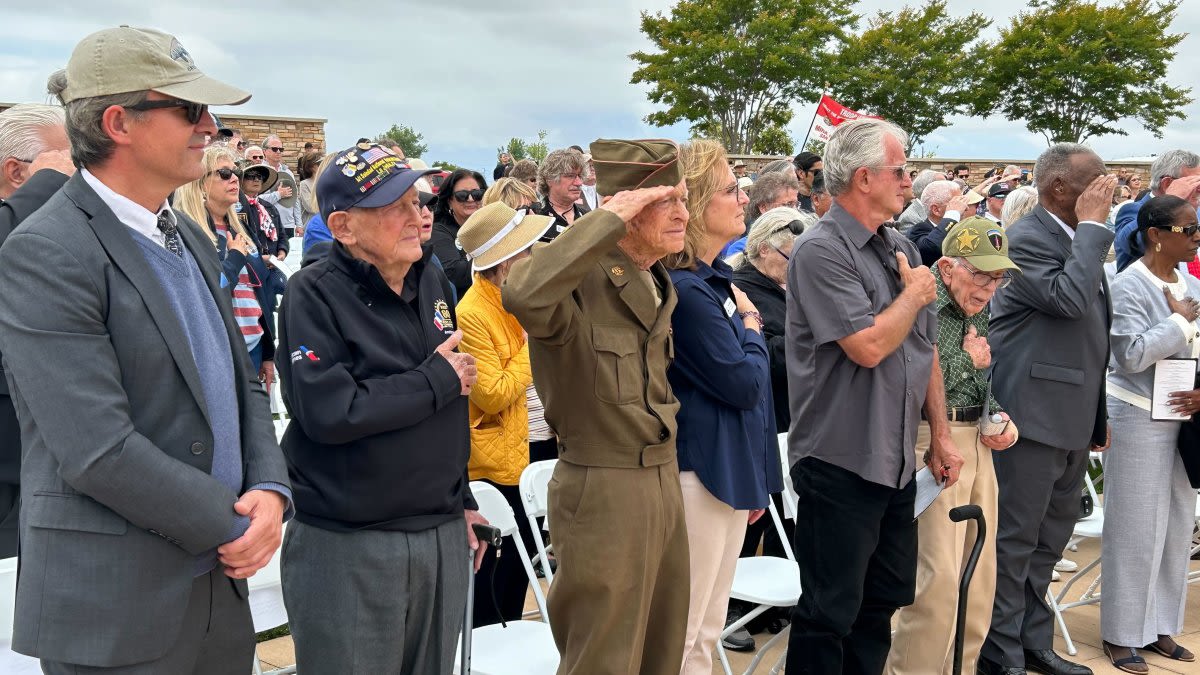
(486, 534)
(959, 514)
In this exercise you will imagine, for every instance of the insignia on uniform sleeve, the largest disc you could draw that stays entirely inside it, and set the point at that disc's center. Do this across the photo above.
(304, 353)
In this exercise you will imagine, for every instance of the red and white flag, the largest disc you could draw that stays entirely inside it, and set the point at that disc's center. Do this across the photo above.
(836, 113)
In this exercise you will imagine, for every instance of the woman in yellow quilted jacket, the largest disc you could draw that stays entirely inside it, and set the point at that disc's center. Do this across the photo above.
(494, 238)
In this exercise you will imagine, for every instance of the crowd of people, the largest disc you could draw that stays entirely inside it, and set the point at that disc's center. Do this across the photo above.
(650, 314)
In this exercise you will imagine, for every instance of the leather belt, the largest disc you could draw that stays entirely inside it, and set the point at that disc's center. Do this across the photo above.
(967, 414)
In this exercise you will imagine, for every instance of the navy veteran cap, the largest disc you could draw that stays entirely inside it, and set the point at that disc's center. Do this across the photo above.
(367, 175)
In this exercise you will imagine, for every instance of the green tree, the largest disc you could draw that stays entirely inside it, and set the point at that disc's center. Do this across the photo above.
(1073, 69)
(736, 66)
(538, 149)
(815, 146)
(773, 140)
(914, 67)
(408, 138)
(517, 148)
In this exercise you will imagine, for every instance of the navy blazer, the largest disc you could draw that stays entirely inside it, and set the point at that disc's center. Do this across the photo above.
(929, 239)
(1128, 247)
(722, 378)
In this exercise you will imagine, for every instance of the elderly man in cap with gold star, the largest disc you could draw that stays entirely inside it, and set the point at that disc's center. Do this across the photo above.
(597, 306)
(974, 264)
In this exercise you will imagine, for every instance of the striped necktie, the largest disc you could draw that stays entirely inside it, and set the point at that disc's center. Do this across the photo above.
(170, 232)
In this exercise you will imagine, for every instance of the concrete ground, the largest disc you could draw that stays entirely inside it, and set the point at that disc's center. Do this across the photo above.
(1082, 622)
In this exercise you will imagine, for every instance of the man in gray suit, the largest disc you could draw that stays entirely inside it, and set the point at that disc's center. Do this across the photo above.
(151, 483)
(1049, 335)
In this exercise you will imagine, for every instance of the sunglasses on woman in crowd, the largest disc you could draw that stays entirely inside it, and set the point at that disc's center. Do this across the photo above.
(465, 195)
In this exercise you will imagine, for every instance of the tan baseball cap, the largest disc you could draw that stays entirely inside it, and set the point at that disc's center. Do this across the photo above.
(122, 60)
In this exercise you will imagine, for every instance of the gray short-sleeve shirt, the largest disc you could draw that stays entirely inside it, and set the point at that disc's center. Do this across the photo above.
(863, 420)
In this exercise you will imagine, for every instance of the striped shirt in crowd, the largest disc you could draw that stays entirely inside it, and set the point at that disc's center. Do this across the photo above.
(246, 311)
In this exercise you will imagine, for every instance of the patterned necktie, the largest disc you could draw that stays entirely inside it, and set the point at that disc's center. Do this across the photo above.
(170, 232)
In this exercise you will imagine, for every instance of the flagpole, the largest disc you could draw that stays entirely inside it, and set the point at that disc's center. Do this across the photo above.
(814, 118)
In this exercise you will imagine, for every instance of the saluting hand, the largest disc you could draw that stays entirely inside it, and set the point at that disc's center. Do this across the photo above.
(463, 364)
(977, 348)
(1187, 188)
(627, 204)
(1096, 200)
(916, 280)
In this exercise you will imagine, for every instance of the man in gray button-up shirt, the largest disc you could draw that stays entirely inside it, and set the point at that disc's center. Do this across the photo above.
(861, 360)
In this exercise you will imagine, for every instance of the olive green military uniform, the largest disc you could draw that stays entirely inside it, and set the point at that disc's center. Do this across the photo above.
(600, 343)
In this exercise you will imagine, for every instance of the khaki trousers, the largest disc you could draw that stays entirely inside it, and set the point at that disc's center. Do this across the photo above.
(924, 641)
(715, 534)
(619, 601)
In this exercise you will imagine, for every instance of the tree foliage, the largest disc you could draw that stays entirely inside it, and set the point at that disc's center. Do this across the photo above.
(516, 148)
(773, 140)
(1073, 69)
(914, 67)
(736, 66)
(408, 138)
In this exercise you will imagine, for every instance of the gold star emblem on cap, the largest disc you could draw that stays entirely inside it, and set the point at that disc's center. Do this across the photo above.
(967, 240)
(618, 270)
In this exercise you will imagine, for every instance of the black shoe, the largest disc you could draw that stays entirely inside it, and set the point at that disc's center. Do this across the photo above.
(1047, 662)
(986, 667)
(739, 640)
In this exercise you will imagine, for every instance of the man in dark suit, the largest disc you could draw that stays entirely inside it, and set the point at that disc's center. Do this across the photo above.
(1049, 336)
(945, 203)
(151, 483)
(1175, 172)
(36, 130)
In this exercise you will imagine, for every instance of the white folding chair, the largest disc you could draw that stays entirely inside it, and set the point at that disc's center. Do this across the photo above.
(766, 581)
(266, 606)
(1091, 527)
(521, 647)
(535, 488)
(11, 663)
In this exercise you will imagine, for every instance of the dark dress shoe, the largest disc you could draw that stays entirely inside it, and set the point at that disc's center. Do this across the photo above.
(985, 667)
(1047, 662)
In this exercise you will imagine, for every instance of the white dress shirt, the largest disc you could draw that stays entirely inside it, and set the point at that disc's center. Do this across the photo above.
(129, 212)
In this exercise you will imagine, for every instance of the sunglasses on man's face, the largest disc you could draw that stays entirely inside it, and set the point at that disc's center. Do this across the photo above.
(256, 158)
(225, 174)
(254, 177)
(194, 111)
(274, 149)
(242, 145)
(465, 195)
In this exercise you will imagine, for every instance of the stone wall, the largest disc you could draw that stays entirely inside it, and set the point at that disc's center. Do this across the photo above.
(293, 131)
(978, 166)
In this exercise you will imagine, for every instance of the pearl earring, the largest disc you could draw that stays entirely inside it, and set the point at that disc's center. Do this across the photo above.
(1157, 247)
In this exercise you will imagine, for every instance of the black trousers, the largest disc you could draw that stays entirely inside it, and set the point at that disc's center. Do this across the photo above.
(542, 450)
(856, 544)
(504, 574)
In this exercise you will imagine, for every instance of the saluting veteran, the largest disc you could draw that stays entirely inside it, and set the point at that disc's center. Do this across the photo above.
(974, 264)
(597, 306)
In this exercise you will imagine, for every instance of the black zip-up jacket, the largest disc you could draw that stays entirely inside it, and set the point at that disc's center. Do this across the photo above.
(771, 301)
(379, 437)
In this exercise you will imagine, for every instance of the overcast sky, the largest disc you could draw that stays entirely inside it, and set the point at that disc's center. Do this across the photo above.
(469, 74)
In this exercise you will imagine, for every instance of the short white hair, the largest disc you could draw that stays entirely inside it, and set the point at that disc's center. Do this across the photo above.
(939, 192)
(22, 126)
(251, 149)
(1018, 203)
(923, 180)
(854, 145)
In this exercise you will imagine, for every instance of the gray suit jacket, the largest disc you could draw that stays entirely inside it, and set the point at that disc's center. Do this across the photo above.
(1049, 332)
(115, 480)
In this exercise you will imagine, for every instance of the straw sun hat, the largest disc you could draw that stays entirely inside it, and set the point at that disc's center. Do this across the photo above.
(497, 232)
